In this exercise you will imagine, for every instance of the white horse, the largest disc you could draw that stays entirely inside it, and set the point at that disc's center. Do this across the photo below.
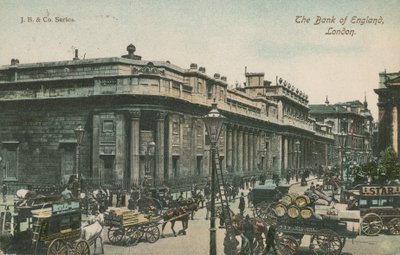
(92, 231)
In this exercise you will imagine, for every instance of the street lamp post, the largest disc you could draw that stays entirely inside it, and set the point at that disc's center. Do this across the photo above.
(213, 122)
(297, 152)
(342, 144)
(79, 132)
(148, 173)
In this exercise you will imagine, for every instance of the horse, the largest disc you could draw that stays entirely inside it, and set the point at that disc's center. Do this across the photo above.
(179, 214)
(92, 232)
(260, 228)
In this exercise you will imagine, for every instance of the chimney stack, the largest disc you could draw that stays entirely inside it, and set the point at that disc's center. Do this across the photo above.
(216, 76)
(193, 66)
(223, 78)
(14, 61)
(202, 69)
(76, 55)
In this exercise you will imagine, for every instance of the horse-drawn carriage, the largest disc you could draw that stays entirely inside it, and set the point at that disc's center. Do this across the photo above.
(127, 227)
(296, 216)
(379, 208)
(50, 226)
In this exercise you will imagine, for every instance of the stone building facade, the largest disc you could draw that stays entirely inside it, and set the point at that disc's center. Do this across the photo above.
(125, 104)
(389, 105)
(355, 120)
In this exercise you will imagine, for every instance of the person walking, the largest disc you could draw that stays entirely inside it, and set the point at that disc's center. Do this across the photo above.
(4, 191)
(270, 241)
(250, 198)
(288, 177)
(242, 204)
(248, 232)
(312, 187)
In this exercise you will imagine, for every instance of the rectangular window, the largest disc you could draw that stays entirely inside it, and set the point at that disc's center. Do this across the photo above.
(199, 167)
(10, 160)
(108, 126)
(175, 166)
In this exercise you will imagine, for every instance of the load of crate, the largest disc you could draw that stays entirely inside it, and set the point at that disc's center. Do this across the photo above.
(124, 217)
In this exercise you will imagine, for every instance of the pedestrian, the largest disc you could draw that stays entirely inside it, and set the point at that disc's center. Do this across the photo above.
(242, 204)
(312, 187)
(4, 191)
(222, 218)
(248, 232)
(270, 241)
(250, 198)
(288, 177)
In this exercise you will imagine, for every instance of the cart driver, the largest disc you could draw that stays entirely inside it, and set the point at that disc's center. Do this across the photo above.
(66, 194)
(31, 193)
(270, 241)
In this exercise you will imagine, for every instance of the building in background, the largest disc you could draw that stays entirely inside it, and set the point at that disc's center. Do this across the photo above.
(355, 120)
(389, 105)
(127, 104)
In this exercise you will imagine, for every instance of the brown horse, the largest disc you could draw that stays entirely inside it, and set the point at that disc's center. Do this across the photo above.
(181, 214)
(260, 228)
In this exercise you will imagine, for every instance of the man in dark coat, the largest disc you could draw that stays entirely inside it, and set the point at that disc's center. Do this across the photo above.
(242, 204)
(248, 232)
(270, 241)
(4, 190)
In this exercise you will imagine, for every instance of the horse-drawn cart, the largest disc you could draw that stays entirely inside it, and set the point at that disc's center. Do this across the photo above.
(127, 227)
(295, 217)
(52, 227)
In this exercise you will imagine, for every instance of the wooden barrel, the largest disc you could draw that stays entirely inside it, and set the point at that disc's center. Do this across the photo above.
(288, 199)
(306, 212)
(302, 201)
(280, 210)
(293, 211)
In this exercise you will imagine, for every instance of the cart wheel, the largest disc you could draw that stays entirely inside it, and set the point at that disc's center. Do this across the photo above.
(82, 248)
(58, 247)
(326, 242)
(265, 211)
(287, 245)
(152, 234)
(371, 224)
(133, 236)
(115, 235)
(394, 226)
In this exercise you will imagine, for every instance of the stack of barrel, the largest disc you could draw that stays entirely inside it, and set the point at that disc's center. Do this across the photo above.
(294, 206)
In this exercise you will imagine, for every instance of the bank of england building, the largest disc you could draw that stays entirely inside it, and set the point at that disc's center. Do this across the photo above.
(127, 105)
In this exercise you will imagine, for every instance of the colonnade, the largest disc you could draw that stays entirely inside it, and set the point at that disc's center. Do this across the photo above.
(246, 150)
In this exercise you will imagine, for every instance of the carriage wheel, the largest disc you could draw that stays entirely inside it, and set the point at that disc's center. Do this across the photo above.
(133, 236)
(265, 211)
(287, 245)
(152, 234)
(58, 247)
(371, 224)
(82, 248)
(326, 242)
(115, 235)
(394, 226)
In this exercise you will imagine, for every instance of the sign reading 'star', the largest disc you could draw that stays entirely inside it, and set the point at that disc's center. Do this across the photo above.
(380, 190)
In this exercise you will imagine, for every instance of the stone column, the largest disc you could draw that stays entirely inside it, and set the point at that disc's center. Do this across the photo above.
(234, 149)
(159, 153)
(255, 152)
(285, 152)
(229, 150)
(251, 154)
(240, 151)
(134, 147)
(245, 151)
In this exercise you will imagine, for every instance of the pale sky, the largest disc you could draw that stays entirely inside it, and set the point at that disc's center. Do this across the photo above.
(223, 36)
